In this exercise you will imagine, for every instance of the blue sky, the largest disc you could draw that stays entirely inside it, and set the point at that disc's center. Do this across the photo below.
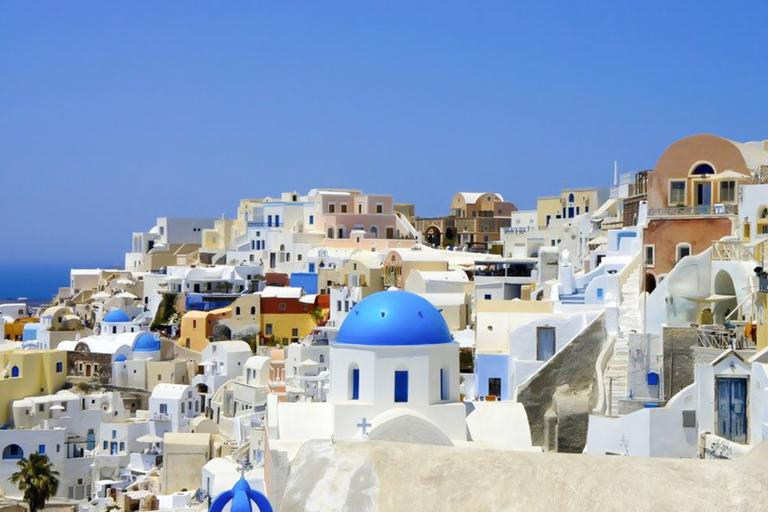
(115, 113)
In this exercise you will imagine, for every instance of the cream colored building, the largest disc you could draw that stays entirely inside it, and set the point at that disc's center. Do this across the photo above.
(184, 456)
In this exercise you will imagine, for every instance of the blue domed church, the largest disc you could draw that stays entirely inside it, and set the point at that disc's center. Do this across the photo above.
(394, 376)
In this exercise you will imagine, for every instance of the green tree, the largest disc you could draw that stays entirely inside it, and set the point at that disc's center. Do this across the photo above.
(37, 479)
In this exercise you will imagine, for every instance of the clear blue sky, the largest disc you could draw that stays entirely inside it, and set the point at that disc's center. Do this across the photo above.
(115, 113)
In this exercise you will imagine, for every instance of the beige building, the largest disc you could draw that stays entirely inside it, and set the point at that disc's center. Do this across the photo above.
(569, 204)
(398, 264)
(184, 456)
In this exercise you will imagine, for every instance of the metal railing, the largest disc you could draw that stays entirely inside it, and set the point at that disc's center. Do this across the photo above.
(691, 211)
(517, 229)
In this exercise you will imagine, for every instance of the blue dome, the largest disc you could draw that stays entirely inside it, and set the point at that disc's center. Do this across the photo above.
(146, 342)
(394, 318)
(120, 358)
(116, 315)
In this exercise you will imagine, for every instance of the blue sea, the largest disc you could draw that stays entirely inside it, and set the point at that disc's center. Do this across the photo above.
(36, 281)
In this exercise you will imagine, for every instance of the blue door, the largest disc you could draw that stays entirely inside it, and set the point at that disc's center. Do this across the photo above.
(356, 384)
(113, 448)
(545, 343)
(732, 409)
(311, 268)
(401, 386)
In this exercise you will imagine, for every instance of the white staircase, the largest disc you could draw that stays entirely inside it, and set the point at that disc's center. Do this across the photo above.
(630, 319)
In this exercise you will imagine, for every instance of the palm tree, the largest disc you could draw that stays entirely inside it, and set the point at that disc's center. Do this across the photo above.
(37, 479)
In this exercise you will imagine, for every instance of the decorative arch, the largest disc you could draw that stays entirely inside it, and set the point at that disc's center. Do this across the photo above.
(13, 452)
(724, 285)
(702, 168)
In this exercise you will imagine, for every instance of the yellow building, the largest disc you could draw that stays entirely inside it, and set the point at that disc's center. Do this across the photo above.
(569, 204)
(197, 327)
(222, 234)
(26, 373)
(15, 330)
(287, 319)
(246, 314)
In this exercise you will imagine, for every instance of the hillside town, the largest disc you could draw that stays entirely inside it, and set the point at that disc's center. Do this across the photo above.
(331, 349)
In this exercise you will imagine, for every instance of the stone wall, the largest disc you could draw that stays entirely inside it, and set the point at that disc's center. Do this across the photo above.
(103, 362)
(678, 359)
(574, 367)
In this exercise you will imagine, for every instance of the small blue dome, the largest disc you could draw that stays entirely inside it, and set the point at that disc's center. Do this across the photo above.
(146, 342)
(117, 315)
(120, 358)
(394, 318)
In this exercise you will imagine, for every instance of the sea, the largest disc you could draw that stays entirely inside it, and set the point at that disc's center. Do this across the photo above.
(36, 283)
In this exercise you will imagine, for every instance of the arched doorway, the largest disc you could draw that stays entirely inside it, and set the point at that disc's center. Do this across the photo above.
(650, 283)
(433, 236)
(724, 286)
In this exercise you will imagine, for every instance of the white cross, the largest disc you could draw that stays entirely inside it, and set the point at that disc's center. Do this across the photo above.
(364, 425)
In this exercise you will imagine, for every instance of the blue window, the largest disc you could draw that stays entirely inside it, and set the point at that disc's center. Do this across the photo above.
(269, 220)
(356, 384)
(401, 386)
(15, 371)
(277, 220)
(311, 267)
(59, 367)
(41, 449)
(114, 434)
(444, 385)
(599, 293)
(311, 219)
(13, 451)
(487, 296)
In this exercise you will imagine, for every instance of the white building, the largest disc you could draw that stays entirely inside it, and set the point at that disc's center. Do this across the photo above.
(171, 406)
(221, 361)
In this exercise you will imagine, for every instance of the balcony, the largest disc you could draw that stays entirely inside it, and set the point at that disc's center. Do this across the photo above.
(517, 230)
(265, 224)
(738, 251)
(694, 211)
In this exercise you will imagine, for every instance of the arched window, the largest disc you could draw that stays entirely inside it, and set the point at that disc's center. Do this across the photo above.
(401, 386)
(571, 198)
(122, 446)
(13, 452)
(703, 170)
(253, 310)
(282, 248)
(237, 310)
(354, 382)
(330, 232)
(15, 371)
(340, 231)
(374, 232)
(322, 358)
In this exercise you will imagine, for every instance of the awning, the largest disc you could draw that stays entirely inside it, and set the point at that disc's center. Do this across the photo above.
(727, 175)
(150, 438)
(308, 299)
(600, 240)
(712, 298)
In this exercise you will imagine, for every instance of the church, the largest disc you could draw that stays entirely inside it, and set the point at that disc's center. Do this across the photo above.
(394, 377)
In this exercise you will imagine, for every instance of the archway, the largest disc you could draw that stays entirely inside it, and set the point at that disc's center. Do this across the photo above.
(724, 286)
(433, 236)
(650, 282)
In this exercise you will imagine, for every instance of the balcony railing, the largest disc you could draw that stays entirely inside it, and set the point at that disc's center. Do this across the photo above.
(517, 229)
(265, 224)
(692, 211)
(738, 251)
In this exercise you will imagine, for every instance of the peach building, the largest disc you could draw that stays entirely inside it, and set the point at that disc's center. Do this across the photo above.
(693, 198)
